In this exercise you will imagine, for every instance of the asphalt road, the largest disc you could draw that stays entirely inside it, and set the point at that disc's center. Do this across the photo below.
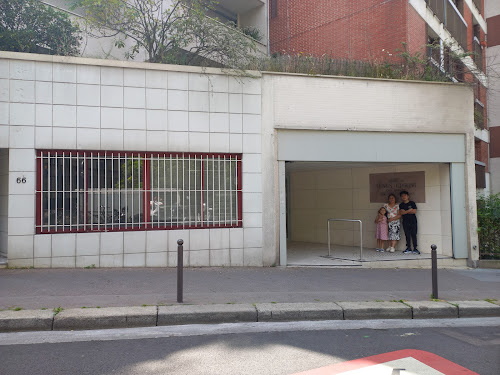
(255, 348)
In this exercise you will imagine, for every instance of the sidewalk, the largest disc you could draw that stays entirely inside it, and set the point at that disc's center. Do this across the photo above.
(238, 294)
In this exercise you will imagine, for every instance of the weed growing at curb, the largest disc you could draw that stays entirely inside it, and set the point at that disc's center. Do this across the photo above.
(57, 310)
(17, 308)
(92, 266)
(491, 300)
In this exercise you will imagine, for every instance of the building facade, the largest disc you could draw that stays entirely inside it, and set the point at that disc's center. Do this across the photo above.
(109, 163)
(492, 9)
(375, 30)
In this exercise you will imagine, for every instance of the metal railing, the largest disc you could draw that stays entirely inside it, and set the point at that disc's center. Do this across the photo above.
(449, 15)
(477, 3)
(360, 235)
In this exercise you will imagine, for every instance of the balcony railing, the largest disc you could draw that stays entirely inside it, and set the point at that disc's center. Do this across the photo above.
(478, 53)
(449, 15)
(477, 3)
(437, 6)
(241, 6)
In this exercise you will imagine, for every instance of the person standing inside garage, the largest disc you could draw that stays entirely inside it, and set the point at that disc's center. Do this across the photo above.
(408, 210)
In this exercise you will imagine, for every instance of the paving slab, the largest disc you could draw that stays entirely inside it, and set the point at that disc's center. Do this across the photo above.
(109, 317)
(26, 320)
(467, 309)
(432, 309)
(375, 310)
(267, 312)
(201, 314)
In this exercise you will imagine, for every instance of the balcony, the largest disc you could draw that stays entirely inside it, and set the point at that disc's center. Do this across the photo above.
(449, 15)
(240, 6)
(477, 3)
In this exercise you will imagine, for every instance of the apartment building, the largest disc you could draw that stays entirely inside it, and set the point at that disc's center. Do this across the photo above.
(492, 12)
(375, 30)
(240, 13)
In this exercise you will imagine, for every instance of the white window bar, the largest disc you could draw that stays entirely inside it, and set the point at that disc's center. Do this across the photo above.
(195, 192)
(124, 165)
(70, 171)
(56, 193)
(78, 223)
(63, 193)
(132, 192)
(225, 196)
(231, 188)
(85, 194)
(183, 192)
(171, 192)
(113, 216)
(206, 189)
(158, 189)
(236, 189)
(91, 188)
(189, 187)
(164, 191)
(177, 189)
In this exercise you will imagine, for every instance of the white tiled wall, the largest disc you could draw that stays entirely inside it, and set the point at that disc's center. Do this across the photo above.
(344, 193)
(72, 106)
(4, 200)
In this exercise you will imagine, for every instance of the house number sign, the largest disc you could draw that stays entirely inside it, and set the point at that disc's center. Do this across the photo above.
(21, 180)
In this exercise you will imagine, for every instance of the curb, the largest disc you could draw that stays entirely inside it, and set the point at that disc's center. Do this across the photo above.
(150, 316)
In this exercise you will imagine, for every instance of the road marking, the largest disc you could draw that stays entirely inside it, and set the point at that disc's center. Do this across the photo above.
(400, 362)
(19, 338)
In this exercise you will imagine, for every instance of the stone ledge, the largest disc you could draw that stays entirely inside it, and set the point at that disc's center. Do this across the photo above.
(26, 320)
(432, 309)
(201, 314)
(268, 312)
(467, 309)
(108, 317)
(375, 310)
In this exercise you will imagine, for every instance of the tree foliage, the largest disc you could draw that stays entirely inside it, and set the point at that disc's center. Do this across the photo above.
(169, 31)
(30, 26)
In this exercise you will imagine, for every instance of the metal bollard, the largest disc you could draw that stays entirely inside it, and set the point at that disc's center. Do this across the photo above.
(180, 268)
(434, 272)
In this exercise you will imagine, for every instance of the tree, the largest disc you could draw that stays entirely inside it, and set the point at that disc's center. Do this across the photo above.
(30, 26)
(170, 31)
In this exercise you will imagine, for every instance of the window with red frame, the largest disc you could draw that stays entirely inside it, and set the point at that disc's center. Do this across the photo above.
(89, 191)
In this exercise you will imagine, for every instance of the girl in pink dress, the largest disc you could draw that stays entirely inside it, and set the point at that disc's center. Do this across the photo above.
(382, 232)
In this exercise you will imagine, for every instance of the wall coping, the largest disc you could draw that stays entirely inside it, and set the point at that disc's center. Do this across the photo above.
(193, 69)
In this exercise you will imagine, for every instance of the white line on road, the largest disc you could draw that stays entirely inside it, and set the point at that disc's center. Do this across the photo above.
(22, 338)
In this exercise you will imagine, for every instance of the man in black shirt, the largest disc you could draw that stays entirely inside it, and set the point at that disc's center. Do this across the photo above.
(407, 210)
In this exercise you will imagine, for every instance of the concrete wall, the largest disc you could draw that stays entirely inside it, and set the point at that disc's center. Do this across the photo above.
(351, 105)
(83, 104)
(344, 193)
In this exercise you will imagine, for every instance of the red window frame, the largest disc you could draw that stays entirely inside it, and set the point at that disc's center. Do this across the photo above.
(146, 224)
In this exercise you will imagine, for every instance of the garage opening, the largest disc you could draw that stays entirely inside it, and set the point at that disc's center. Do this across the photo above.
(318, 191)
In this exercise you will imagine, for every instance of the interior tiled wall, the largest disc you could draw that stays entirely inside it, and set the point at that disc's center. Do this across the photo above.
(344, 194)
(45, 105)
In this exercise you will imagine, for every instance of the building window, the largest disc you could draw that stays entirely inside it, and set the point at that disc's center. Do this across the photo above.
(480, 176)
(274, 8)
(99, 191)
